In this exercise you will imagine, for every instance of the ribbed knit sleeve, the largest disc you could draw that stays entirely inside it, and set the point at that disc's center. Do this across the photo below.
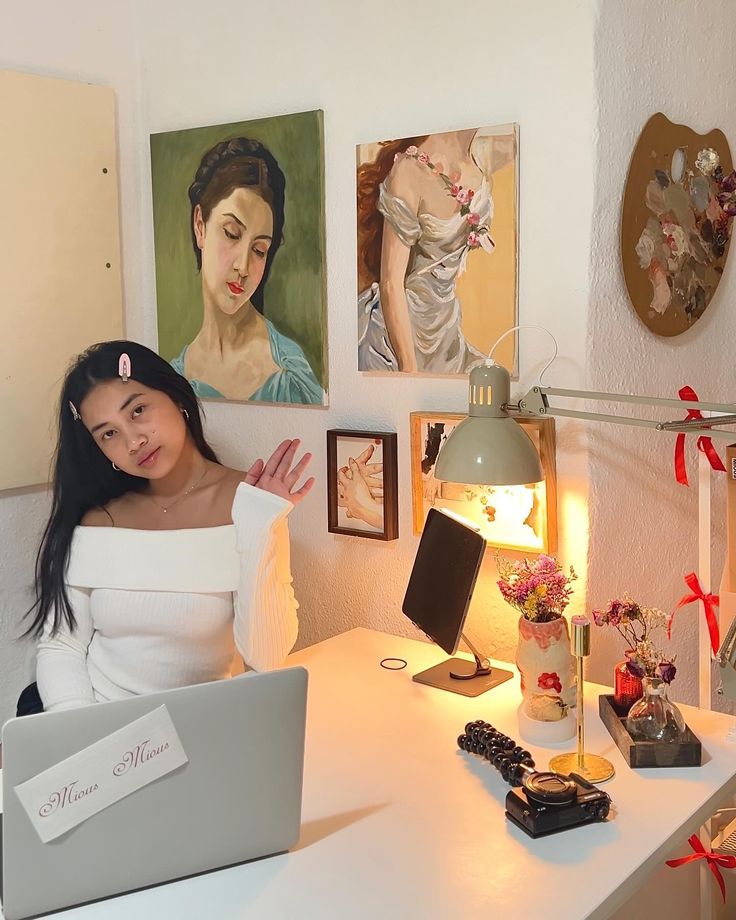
(61, 659)
(265, 607)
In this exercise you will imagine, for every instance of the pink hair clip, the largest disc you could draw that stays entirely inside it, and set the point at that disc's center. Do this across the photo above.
(74, 411)
(124, 367)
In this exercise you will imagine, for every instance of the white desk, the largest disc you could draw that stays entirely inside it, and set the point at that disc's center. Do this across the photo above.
(398, 823)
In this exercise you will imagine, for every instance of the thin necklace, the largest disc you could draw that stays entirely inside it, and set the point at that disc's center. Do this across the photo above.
(180, 497)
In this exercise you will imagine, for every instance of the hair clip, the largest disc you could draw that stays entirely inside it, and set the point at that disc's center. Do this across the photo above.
(74, 411)
(124, 367)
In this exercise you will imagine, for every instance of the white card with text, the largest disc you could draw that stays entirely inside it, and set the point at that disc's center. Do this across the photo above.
(107, 771)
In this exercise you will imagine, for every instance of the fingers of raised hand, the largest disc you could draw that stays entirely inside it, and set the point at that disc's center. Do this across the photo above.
(253, 474)
(277, 456)
(300, 493)
(287, 458)
(295, 474)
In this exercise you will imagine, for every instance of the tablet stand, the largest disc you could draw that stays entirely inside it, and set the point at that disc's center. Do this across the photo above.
(464, 677)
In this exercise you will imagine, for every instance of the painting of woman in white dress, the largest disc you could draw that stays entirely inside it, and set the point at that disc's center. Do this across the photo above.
(437, 250)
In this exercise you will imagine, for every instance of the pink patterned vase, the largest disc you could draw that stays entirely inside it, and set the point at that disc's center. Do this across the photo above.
(547, 669)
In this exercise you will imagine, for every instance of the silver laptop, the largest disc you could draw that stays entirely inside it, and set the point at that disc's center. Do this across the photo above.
(238, 797)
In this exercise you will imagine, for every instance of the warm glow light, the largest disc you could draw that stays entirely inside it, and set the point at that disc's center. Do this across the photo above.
(508, 516)
(574, 520)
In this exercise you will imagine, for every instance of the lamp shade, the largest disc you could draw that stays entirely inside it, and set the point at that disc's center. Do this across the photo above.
(489, 447)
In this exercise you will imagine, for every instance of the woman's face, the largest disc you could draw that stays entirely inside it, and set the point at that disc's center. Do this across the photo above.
(141, 430)
(234, 242)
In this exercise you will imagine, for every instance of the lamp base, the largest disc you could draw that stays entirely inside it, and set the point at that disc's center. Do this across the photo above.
(469, 681)
(595, 769)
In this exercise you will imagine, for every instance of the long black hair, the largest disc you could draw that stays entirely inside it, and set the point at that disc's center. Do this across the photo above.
(83, 477)
(240, 163)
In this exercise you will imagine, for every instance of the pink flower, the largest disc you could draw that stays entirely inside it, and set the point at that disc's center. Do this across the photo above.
(438, 168)
(470, 193)
(473, 219)
(454, 176)
(464, 195)
(550, 681)
(411, 151)
(423, 157)
(455, 190)
(474, 241)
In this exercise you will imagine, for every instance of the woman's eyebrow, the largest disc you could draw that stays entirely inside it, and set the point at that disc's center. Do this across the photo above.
(236, 219)
(127, 402)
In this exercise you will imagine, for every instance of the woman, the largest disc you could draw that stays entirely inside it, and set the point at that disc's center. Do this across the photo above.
(158, 563)
(237, 221)
(423, 204)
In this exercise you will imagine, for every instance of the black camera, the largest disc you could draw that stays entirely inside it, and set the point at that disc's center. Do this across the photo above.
(551, 802)
(546, 802)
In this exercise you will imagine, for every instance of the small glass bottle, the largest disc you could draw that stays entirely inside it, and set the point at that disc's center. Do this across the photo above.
(627, 688)
(654, 717)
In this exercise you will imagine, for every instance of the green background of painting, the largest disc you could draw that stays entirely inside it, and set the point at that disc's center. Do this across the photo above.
(295, 299)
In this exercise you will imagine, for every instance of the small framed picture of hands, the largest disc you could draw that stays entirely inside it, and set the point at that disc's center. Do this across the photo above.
(362, 492)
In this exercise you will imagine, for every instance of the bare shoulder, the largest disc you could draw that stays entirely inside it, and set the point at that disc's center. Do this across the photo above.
(231, 479)
(224, 485)
(114, 514)
(405, 179)
(97, 517)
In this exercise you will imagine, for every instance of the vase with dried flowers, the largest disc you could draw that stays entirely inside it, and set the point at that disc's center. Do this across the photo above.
(540, 590)
(637, 624)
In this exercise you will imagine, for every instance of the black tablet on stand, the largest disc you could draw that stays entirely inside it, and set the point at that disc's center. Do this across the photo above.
(437, 599)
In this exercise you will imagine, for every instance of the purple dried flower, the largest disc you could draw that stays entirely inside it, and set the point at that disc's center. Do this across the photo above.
(635, 669)
(667, 671)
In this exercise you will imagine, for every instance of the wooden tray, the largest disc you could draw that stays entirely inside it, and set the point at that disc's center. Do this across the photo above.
(684, 753)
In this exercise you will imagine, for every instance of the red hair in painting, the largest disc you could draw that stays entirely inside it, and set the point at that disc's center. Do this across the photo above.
(370, 220)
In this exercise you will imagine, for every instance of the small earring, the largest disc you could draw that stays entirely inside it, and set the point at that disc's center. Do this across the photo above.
(185, 414)
(116, 468)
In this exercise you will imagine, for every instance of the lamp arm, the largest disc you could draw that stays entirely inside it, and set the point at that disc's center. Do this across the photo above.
(535, 404)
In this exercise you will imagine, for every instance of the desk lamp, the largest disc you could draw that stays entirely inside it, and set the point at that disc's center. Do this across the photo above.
(489, 448)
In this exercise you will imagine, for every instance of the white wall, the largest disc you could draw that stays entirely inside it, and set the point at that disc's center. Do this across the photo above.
(380, 71)
(676, 58)
(411, 68)
(78, 40)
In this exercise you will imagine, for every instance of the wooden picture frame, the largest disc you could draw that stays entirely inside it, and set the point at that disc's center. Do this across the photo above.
(362, 511)
(537, 533)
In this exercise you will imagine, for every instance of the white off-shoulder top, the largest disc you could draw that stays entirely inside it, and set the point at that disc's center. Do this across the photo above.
(158, 609)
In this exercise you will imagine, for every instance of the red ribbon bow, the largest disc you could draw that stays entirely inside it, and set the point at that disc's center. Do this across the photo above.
(710, 602)
(705, 444)
(714, 861)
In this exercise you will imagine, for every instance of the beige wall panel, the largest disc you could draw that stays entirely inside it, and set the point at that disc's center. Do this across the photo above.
(58, 234)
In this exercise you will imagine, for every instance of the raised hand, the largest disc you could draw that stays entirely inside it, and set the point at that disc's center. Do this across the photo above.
(279, 475)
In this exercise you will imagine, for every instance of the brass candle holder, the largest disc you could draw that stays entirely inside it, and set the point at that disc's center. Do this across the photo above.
(593, 767)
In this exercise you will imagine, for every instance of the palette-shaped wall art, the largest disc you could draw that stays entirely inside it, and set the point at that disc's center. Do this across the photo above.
(679, 203)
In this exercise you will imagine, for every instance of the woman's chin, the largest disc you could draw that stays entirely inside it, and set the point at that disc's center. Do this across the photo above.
(231, 307)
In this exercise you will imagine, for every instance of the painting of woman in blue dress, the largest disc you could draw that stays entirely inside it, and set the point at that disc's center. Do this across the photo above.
(252, 337)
